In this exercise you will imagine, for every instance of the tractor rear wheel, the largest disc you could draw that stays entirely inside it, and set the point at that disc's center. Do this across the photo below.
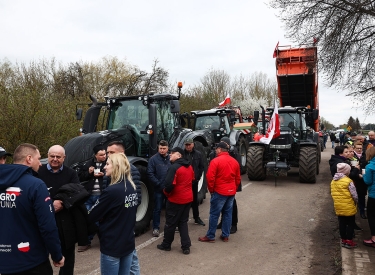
(145, 209)
(308, 164)
(254, 165)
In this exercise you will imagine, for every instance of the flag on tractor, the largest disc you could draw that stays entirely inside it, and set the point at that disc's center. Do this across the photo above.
(273, 130)
(225, 102)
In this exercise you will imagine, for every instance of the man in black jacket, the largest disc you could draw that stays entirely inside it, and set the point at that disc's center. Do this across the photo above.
(55, 174)
(196, 161)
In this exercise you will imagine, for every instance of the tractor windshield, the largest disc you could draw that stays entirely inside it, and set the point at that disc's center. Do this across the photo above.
(291, 121)
(212, 122)
(133, 114)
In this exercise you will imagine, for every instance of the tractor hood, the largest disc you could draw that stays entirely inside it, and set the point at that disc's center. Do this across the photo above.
(80, 149)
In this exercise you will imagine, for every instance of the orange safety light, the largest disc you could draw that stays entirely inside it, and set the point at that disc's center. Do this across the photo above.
(179, 84)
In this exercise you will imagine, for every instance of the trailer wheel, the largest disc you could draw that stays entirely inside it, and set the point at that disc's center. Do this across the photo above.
(202, 183)
(243, 146)
(145, 209)
(254, 165)
(308, 164)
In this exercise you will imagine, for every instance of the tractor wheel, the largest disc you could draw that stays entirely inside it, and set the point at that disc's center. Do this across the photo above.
(254, 165)
(202, 183)
(243, 146)
(145, 209)
(307, 164)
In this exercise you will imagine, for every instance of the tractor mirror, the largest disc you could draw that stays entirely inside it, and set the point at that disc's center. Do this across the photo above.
(79, 114)
(315, 114)
(175, 106)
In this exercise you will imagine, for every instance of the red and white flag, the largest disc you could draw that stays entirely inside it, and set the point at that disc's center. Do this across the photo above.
(273, 130)
(225, 102)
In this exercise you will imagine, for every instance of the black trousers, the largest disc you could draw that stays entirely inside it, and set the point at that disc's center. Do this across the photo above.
(195, 203)
(176, 215)
(42, 269)
(69, 254)
(371, 214)
(346, 227)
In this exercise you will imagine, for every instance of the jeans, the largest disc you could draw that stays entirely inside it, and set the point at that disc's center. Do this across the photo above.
(224, 204)
(42, 269)
(135, 269)
(158, 203)
(333, 144)
(118, 266)
(90, 203)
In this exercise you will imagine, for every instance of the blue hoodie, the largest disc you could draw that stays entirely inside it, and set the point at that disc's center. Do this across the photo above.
(28, 230)
(369, 178)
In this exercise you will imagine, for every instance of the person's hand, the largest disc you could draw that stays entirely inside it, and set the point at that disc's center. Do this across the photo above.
(58, 205)
(98, 175)
(59, 264)
(91, 169)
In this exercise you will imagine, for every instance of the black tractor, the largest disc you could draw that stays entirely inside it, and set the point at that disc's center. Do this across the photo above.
(297, 146)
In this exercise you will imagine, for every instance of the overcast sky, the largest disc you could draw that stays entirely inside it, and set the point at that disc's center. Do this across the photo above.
(188, 38)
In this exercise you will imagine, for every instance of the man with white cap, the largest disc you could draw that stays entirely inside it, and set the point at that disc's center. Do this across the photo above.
(3, 155)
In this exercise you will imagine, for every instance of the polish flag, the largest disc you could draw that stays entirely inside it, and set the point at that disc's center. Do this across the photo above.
(24, 247)
(225, 102)
(14, 190)
(273, 130)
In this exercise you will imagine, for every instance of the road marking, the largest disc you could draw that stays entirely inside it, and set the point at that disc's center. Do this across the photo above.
(246, 185)
(150, 241)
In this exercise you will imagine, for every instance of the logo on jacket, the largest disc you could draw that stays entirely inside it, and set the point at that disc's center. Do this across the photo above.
(24, 247)
(7, 199)
(13, 190)
(131, 200)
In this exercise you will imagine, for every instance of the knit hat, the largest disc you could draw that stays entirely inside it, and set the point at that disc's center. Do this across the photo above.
(226, 140)
(98, 148)
(343, 168)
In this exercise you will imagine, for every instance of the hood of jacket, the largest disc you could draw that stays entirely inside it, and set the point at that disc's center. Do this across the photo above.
(10, 173)
(182, 162)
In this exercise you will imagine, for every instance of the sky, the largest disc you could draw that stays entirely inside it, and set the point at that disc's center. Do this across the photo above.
(188, 39)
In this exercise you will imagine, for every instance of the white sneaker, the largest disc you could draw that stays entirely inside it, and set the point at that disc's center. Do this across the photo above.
(155, 233)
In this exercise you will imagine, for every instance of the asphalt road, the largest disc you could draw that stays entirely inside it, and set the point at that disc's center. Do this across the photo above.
(277, 234)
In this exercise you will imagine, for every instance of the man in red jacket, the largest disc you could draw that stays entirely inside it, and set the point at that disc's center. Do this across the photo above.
(223, 178)
(179, 191)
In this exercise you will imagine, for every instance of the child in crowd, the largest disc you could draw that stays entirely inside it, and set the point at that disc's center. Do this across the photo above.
(345, 199)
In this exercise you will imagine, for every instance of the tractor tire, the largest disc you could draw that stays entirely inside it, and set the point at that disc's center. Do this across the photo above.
(202, 183)
(307, 164)
(243, 146)
(145, 209)
(254, 165)
(318, 156)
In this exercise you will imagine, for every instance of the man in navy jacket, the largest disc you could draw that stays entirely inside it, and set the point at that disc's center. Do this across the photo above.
(28, 231)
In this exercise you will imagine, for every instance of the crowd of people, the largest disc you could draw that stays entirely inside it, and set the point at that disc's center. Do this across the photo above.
(51, 208)
(353, 170)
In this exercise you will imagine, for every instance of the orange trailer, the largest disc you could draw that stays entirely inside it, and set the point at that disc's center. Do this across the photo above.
(297, 77)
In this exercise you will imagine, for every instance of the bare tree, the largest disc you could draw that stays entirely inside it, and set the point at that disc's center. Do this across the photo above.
(344, 31)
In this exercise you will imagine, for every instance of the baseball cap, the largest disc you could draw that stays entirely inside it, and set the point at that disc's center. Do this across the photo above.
(4, 153)
(189, 141)
(178, 149)
(222, 145)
